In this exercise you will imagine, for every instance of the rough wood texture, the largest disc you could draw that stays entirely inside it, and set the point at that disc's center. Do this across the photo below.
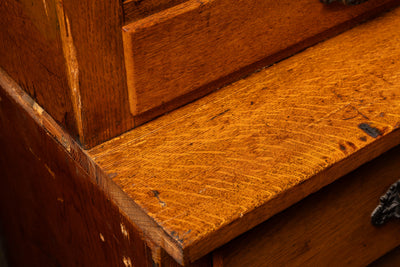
(57, 202)
(329, 228)
(52, 212)
(31, 52)
(137, 9)
(199, 45)
(227, 162)
(93, 34)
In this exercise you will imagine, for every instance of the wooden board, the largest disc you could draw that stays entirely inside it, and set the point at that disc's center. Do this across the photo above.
(92, 31)
(52, 211)
(200, 45)
(31, 52)
(217, 167)
(330, 228)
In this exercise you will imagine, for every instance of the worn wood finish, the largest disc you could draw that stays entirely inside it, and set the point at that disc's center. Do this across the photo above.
(227, 162)
(52, 211)
(31, 52)
(137, 9)
(329, 228)
(92, 35)
(197, 44)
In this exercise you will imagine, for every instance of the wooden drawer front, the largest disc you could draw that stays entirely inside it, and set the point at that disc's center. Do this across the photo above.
(199, 45)
(329, 228)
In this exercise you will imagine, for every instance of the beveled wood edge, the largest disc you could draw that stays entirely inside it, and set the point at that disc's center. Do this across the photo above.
(293, 195)
(154, 233)
(151, 232)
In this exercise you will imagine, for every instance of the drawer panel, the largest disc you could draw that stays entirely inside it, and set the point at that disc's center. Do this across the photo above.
(330, 228)
(198, 46)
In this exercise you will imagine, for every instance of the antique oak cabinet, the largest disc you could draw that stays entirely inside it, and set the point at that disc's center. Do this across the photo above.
(199, 132)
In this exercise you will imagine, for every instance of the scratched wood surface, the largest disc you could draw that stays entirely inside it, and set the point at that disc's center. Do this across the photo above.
(31, 52)
(329, 228)
(53, 212)
(202, 45)
(225, 163)
(41, 162)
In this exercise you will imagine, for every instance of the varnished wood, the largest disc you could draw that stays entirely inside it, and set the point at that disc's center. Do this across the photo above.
(52, 211)
(137, 9)
(217, 167)
(203, 44)
(100, 86)
(329, 228)
(31, 52)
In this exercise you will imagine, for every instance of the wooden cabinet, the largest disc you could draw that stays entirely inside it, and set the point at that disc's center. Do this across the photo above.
(103, 69)
(282, 167)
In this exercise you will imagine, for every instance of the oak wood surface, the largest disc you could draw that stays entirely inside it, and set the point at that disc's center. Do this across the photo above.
(52, 211)
(92, 34)
(31, 52)
(329, 228)
(221, 165)
(199, 45)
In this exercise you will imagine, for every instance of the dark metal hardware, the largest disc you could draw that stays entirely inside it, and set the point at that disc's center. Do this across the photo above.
(346, 2)
(389, 206)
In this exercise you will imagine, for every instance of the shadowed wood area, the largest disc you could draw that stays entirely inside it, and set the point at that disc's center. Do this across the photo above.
(227, 162)
(137, 9)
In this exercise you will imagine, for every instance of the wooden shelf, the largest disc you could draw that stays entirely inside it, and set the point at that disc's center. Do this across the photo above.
(217, 167)
(191, 181)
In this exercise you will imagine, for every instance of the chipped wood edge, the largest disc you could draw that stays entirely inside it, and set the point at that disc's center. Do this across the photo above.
(71, 64)
(195, 250)
(151, 232)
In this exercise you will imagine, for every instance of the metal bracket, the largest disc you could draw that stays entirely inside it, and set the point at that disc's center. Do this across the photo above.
(346, 2)
(389, 206)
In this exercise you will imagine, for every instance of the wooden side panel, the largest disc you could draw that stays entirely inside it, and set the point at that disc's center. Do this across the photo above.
(31, 52)
(50, 211)
(200, 45)
(137, 9)
(99, 73)
(329, 228)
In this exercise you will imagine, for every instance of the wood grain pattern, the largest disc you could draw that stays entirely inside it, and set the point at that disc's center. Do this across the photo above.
(31, 52)
(137, 9)
(227, 162)
(40, 160)
(52, 212)
(200, 45)
(330, 228)
(98, 73)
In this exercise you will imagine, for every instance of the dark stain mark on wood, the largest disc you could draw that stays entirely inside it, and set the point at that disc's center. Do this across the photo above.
(157, 195)
(363, 138)
(371, 131)
(352, 145)
(176, 236)
(342, 147)
(382, 114)
(251, 103)
(112, 175)
(220, 114)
